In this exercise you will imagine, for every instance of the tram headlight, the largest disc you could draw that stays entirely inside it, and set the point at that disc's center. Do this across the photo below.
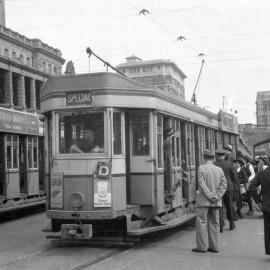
(77, 199)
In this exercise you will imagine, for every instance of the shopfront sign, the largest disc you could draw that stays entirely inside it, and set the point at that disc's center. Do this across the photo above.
(79, 98)
(17, 122)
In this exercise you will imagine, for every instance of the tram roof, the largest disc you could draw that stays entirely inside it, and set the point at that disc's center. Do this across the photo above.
(59, 85)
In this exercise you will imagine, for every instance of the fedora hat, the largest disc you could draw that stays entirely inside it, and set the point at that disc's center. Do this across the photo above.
(220, 152)
(208, 153)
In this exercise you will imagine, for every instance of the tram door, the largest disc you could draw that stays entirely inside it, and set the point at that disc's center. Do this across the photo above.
(22, 164)
(2, 166)
(141, 163)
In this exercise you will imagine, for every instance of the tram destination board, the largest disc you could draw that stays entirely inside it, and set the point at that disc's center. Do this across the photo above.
(78, 98)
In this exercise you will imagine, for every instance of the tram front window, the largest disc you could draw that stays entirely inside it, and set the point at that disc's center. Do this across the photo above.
(81, 133)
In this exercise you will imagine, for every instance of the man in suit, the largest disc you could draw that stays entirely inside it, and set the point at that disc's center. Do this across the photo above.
(263, 178)
(231, 178)
(211, 187)
(229, 156)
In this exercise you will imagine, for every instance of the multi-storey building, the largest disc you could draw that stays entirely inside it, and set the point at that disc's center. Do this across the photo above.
(25, 65)
(263, 108)
(254, 134)
(161, 73)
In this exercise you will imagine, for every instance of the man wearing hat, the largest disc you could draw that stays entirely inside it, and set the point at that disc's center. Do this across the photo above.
(231, 178)
(229, 156)
(263, 178)
(211, 187)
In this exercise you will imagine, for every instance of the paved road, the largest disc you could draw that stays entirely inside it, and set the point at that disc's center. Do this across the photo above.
(23, 246)
(241, 249)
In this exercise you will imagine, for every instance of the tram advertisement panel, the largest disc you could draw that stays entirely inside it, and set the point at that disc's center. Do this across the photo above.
(18, 122)
(103, 185)
(56, 190)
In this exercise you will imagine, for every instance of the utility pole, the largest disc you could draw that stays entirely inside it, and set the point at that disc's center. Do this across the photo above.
(193, 97)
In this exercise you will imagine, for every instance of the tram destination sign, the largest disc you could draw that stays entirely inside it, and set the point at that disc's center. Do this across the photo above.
(17, 122)
(78, 98)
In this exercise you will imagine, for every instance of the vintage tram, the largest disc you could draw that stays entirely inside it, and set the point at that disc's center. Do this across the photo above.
(22, 178)
(121, 157)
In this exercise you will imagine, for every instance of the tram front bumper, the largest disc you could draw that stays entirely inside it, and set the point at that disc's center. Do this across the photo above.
(76, 231)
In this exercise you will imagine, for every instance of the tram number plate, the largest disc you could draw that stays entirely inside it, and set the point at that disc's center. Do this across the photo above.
(76, 231)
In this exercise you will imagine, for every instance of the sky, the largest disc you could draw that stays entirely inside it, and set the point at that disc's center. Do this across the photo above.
(232, 35)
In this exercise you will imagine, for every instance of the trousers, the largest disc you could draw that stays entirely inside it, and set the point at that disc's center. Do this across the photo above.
(266, 218)
(207, 228)
(228, 203)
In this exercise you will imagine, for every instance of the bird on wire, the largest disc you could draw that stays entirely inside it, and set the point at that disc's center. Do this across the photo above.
(144, 12)
(201, 55)
(181, 38)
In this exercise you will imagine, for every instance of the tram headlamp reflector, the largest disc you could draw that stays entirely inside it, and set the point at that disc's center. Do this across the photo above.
(77, 199)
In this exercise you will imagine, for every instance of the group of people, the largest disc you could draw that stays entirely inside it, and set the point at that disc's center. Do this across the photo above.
(226, 183)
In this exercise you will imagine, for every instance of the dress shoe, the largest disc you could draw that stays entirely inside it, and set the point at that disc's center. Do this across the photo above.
(198, 250)
(232, 227)
(212, 250)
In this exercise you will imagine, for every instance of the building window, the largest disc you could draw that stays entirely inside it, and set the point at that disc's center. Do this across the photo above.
(44, 66)
(55, 70)
(28, 61)
(6, 53)
(14, 56)
(50, 68)
(21, 58)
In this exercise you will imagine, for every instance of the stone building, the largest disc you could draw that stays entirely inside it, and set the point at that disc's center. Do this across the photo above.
(25, 65)
(161, 73)
(253, 134)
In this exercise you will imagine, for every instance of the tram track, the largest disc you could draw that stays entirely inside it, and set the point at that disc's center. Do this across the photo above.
(101, 258)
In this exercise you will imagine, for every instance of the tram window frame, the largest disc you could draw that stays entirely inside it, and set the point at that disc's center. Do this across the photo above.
(141, 133)
(191, 144)
(117, 139)
(32, 150)
(160, 141)
(76, 132)
(12, 152)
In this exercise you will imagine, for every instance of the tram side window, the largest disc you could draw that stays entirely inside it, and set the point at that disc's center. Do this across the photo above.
(81, 133)
(160, 140)
(117, 131)
(140, 131)
(12, 151)
(32, 152)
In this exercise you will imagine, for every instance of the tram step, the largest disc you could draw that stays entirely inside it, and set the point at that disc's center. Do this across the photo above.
(169, 225)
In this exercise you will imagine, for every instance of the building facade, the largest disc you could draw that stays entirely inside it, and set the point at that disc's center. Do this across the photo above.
(161, 73)
(25, 65)
(253, 134)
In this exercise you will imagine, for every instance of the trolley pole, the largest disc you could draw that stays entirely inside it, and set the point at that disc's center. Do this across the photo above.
(90, 52)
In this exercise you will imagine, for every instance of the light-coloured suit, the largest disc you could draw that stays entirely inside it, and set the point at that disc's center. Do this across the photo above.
(212, 185)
